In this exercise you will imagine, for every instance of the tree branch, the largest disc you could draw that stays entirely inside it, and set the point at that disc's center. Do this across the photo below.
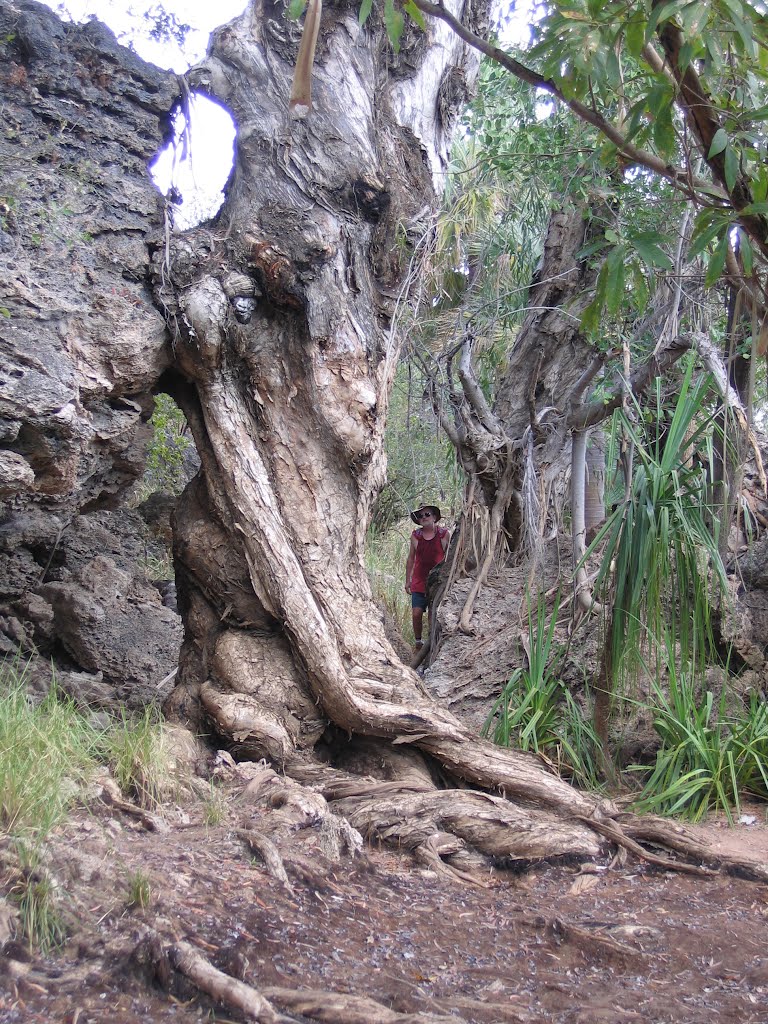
(584, 416)
(473, 392)
(679, 177)
(701, 115)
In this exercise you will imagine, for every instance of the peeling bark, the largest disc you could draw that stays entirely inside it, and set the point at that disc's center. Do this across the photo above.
(285, 655)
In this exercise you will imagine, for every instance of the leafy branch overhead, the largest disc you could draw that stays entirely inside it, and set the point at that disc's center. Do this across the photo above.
(676, 90)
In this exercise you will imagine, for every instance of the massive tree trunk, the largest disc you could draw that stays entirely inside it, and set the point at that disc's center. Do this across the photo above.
(281, 315)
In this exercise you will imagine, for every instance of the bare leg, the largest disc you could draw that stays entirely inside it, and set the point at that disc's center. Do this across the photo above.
(417, 615)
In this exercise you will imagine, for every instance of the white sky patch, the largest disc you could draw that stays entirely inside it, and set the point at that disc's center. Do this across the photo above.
(131, 28)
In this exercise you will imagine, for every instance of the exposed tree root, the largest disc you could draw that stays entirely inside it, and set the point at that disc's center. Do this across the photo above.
(488, 823)
(665, 833)
(461, 833)
(111, 795)
(269, 853)
(498, 1011)
(339, 1008)
(220, 986)
(320, 1005)
(440, 845)
(564, 931)
(411, 810)
(614, 832)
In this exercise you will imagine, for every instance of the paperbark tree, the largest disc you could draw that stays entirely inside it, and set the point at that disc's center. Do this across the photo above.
(281, 313)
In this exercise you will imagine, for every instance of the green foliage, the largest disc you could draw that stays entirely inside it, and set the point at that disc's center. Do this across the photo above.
(660, 565)
(707, 757)
(139, 756)
(47, 751)
(599, 54)
(536, 712)
(420, 461)
(166, 452)
(386, 551)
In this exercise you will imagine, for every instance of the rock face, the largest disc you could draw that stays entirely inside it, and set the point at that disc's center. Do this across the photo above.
(82, 345)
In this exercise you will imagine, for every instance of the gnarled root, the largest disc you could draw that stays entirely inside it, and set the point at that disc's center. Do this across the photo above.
(329, 1007)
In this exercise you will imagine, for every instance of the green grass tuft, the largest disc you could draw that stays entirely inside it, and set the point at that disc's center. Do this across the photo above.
(47, 752)
(139, 756)
(34, 893)
(139, 890)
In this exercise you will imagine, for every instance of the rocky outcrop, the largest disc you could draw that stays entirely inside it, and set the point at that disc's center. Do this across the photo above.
(82, 346)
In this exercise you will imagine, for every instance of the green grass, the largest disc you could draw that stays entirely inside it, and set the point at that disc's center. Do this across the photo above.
(47, 751)
(708, 757)
(158, 567)
(386, 553)
(214, 808)
(34, 893)
(536, 712)
(139, 756)
(139, 890)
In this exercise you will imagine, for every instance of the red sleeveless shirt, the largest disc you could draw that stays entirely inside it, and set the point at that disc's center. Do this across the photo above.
(429, 553)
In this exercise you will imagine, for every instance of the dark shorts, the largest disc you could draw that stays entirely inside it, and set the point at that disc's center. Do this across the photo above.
(418, 601)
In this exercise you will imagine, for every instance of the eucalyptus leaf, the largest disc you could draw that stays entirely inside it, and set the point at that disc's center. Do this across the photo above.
(719, 142)
(296, 8)
(394, 23)
(651, 253)
(415, 14)
(634, 34)
(745, 247)
(731, 167)
(716, 262)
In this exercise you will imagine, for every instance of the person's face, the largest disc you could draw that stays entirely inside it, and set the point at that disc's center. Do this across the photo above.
(426, 518)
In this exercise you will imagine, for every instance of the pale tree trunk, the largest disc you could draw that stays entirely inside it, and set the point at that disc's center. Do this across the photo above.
(518, 451)
(280, 313)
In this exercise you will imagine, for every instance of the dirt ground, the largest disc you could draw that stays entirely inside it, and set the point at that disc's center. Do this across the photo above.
(561, 943)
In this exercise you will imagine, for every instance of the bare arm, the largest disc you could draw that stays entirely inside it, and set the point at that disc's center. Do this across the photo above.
(409, 564)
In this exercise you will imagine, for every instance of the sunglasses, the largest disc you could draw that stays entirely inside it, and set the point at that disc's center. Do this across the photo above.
(423, 515)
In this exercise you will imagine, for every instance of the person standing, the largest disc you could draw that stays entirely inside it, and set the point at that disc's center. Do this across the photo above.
(429, 544)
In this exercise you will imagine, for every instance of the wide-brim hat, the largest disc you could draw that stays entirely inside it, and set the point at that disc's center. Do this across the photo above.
(426, 508)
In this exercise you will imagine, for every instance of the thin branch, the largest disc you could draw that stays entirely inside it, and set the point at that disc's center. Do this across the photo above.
(473, 392)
